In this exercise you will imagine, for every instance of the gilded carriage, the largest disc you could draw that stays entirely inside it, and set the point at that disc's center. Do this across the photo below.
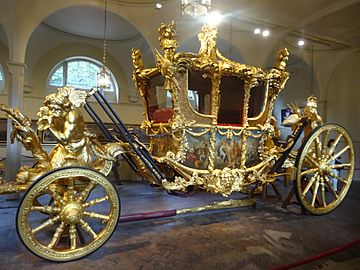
(210, 126)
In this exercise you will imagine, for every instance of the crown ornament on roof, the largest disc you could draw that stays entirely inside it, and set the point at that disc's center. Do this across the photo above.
(207, 38)
(168, 36)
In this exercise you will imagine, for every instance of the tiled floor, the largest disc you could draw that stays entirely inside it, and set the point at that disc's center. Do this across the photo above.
(245, 238)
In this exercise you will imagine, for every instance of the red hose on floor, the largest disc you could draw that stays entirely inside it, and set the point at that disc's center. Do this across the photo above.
(319, 256)
(147, 215)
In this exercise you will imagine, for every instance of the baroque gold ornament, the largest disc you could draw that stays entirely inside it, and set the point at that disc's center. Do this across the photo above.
(60, 115)
(209, 142)
(68, 214)
(210, 125)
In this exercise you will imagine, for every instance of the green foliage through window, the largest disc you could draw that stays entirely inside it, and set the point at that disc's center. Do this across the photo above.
(77, 72)
(57, 78)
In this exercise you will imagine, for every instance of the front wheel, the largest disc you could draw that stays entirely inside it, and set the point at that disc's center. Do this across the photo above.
(68, 213)
(325, 168)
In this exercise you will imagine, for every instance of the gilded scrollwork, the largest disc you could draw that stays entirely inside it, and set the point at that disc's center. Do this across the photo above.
(61, 115)
(68, 214)
(229, 157)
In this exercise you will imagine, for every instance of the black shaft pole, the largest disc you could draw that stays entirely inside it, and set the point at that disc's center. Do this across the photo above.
(99, 122)
(107, 133)
(285, 155)
(143, 154)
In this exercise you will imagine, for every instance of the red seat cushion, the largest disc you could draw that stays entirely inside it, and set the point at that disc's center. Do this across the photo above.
(163, 115)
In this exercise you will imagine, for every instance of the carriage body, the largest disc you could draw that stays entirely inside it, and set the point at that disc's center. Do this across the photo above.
(209, 118)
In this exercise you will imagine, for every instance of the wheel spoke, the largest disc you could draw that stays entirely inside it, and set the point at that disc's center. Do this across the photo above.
(338, 178)
(328, 182)
(325, 142)
(70, 191)
(85, 193)
(315, 193)
(87, 228)
(310, 183)
(96, 215)
(340, 152)
(47, 209)
(310, 171)
(339, 166)
(323, 192)
(313, 161)
(50, 222)
(317, 147)
(57, 235)
(95, 201)
(72, 235)
(332, 148)
(58, 199)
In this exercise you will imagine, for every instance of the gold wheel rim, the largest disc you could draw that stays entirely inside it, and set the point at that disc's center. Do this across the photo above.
(82, 216)
(322, 182)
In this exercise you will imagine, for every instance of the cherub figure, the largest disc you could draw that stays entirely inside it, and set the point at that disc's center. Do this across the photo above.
(61, 115)
(310, 112)
(207, 38)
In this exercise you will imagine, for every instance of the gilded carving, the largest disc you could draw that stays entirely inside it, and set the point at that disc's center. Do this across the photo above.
(61, 115)
(190, 144)
(255, 138)
(69, 213)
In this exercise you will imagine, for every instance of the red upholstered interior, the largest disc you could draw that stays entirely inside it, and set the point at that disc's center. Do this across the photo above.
(229, 125)
(162, 115)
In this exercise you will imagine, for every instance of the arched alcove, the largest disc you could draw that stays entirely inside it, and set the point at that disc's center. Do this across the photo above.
(3, 37)
(343, 95)
(78, 31)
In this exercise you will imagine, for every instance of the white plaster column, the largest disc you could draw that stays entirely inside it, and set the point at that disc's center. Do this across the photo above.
(15, 100)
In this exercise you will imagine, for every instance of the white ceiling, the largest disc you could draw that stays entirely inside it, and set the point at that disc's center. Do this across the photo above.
(334, 22)
(89, 22)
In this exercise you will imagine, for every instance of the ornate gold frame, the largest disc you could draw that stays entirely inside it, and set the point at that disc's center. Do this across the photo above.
(174, 67)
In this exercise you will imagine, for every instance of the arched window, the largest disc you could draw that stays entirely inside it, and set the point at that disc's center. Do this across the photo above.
(80, 73)
(2, 79)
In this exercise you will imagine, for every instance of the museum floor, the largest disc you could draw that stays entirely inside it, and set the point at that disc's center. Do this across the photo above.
(246, 238)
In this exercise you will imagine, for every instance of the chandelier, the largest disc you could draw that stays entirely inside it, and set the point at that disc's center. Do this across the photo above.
(103, 77)
(195, 7)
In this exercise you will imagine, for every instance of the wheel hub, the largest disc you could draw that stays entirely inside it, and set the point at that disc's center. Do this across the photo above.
(72, 213)
(324, 169)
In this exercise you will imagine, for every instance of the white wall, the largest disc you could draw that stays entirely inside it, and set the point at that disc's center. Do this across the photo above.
(343, 96)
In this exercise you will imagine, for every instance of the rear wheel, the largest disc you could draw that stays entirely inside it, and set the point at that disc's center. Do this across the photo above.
(325, 168)
(81, 217)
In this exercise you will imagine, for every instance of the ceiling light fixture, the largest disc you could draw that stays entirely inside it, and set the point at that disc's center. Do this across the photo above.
(213, 18)
(301, 43)
(158, 5)
(257, 31)
(266, 33)
(103, 77)
(195, 7)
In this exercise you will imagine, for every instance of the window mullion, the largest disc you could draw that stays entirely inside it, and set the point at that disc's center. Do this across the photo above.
(65, 69)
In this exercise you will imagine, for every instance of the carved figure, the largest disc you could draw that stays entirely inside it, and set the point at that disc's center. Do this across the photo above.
(61, 115)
